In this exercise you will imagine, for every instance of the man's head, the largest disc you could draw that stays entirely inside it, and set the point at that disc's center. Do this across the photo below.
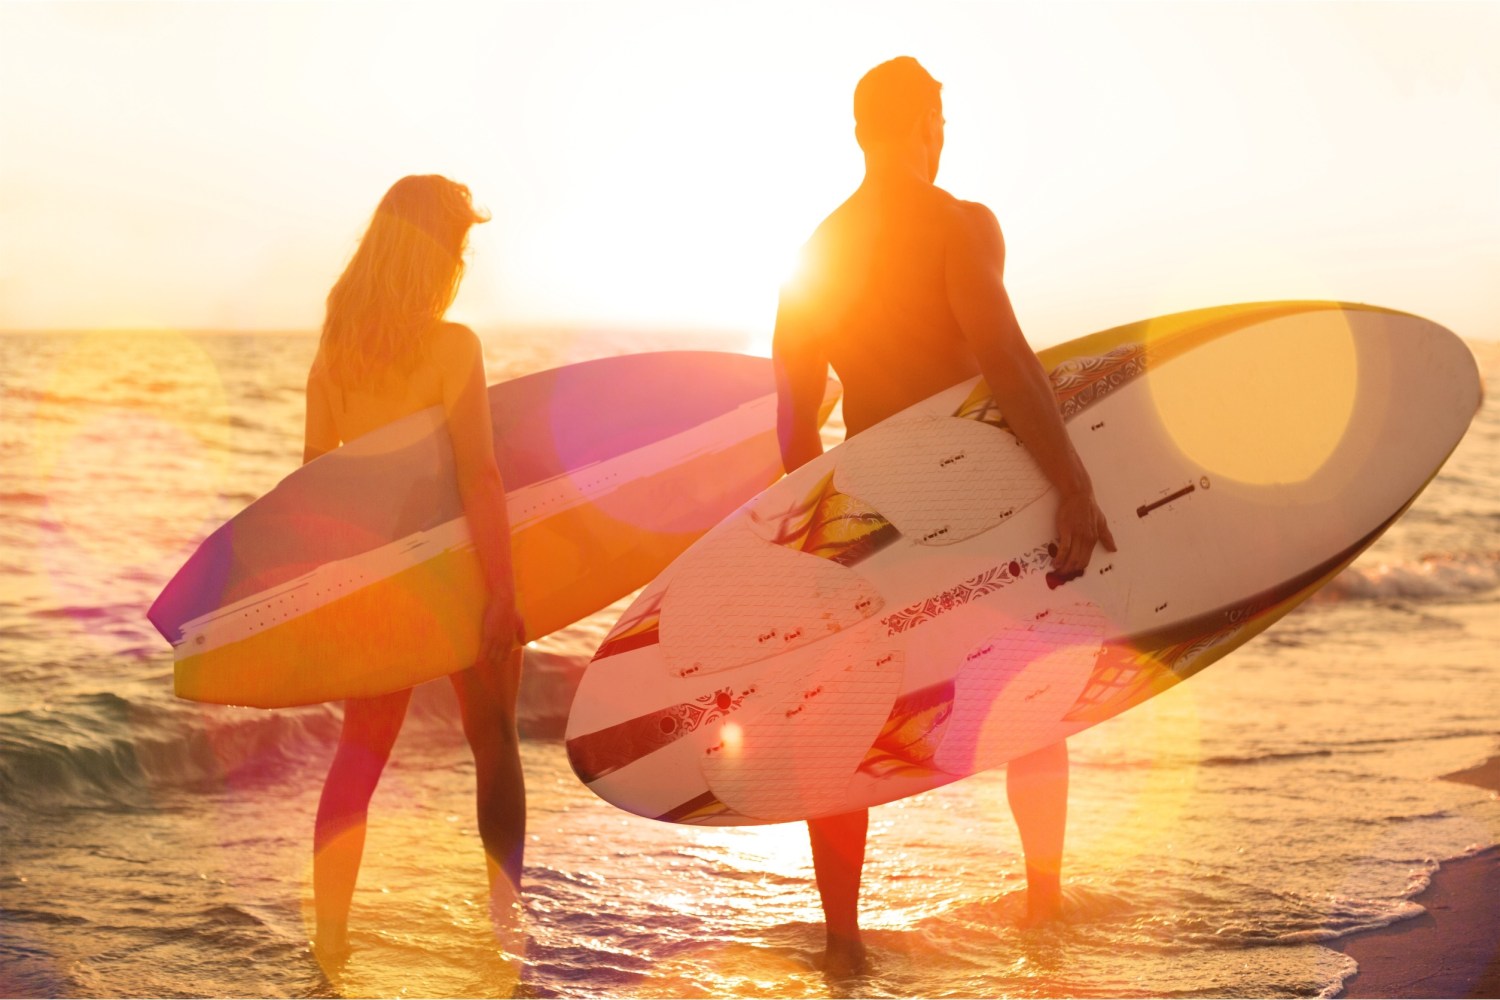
(896, 103)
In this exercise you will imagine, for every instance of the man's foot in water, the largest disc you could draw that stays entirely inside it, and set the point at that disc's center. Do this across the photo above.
(1043, 906)
(844, 958)
(331, 946)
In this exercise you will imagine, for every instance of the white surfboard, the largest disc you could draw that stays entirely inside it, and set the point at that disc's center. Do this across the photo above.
(884, 621)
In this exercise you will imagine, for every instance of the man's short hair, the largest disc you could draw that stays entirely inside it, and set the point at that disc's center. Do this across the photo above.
(890, 98)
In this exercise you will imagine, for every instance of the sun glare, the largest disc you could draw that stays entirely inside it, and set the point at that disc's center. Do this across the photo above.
(779, 849)
(1213, 400)
(1148, 786)
(733, 738)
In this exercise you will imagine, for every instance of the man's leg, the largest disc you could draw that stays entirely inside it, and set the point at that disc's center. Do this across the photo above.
(838, 852)
(1037, 786)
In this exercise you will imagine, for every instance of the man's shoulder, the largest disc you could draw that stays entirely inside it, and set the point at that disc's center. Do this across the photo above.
(836, 221)
(972, 224)
(968, 213)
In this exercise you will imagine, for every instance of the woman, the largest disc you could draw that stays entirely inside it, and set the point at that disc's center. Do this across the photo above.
(385, 353)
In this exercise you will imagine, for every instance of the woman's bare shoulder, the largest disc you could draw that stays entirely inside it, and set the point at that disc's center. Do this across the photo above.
(456, 355)
(454, 337)
(454, 345)
(317, 372)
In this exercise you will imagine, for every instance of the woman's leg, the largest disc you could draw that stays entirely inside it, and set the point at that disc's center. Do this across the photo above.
(487, 697)
(370, 729)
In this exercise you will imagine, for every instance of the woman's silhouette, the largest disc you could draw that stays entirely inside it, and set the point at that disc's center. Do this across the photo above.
(386, 352)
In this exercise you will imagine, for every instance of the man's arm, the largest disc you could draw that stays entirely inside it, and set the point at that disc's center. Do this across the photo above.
(801, 379)
(976, 292)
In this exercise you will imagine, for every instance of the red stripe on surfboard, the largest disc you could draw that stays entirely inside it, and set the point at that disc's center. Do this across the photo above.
(593, 755)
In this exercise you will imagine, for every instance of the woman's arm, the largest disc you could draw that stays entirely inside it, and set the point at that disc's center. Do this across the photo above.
(466, 405)
(319, 434)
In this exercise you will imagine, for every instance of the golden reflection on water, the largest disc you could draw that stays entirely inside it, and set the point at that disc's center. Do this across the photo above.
(157, 436)
(732, 968)
(779, 849)
(420, 923)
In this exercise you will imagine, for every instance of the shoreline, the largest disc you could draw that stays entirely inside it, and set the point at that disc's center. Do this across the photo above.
(1451, 950)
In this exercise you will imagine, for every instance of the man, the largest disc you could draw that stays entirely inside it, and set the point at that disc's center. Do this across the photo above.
(901, 290)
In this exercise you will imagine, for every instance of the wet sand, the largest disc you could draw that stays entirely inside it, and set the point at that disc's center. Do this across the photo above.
(1452, 950)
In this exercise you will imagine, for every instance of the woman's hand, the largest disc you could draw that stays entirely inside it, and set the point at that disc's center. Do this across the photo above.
(502, 628)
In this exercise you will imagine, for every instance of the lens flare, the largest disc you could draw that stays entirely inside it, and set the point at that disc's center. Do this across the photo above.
(1134, 780)
(1285, 410)
(732, 738)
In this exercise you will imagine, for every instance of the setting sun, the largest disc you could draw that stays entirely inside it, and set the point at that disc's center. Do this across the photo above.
(658, 164)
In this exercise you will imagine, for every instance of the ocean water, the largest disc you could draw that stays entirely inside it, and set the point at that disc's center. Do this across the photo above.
(1220, 836)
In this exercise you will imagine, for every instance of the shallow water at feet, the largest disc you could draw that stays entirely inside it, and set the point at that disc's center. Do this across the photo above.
(1217, 834)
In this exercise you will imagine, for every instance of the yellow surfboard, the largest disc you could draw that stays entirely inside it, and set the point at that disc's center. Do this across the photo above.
(355, 576)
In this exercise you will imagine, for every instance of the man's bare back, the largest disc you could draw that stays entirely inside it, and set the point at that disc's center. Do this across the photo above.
(874, 288)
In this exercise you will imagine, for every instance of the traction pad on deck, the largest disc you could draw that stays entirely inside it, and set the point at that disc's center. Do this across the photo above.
(941, 479)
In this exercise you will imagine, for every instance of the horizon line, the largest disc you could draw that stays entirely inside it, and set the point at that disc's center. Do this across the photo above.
(308, 331)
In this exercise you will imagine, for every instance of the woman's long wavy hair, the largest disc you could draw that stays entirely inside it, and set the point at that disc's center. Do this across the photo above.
(402, 279)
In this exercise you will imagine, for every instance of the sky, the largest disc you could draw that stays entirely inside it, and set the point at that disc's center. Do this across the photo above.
(657, 164)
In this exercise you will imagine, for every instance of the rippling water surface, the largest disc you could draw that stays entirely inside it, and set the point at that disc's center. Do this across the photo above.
(1218, 835)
